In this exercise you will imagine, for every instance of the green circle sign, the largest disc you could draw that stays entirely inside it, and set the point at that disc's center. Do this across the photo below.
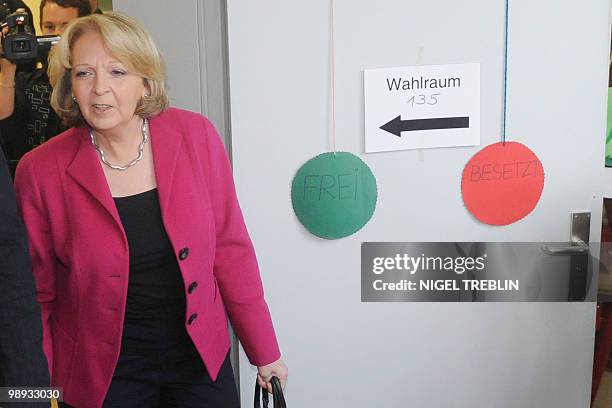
(334, 195)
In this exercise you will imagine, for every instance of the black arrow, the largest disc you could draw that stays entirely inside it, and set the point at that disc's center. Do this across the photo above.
(396, 126)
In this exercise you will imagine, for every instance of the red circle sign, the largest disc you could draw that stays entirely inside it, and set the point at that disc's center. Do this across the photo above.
(502, 183)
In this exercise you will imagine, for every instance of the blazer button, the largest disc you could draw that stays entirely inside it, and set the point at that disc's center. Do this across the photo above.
(192, 286)
(183, 254)
(192, 318)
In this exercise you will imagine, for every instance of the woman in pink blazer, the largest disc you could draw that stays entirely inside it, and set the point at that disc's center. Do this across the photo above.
(138, 242)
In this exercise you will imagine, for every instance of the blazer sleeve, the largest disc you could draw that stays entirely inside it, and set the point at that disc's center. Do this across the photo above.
(235, 265)
(22, 362)
(41, 246)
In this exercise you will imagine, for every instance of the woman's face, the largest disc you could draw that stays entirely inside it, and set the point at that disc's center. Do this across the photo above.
(106, 91)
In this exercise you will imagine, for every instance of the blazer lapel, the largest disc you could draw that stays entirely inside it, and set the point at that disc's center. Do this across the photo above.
(86, 170)
(166, 143)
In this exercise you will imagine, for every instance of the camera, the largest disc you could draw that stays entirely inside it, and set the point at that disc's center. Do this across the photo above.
(20, 45)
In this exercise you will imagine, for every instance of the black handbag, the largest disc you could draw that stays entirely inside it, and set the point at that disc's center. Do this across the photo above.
(278, 398)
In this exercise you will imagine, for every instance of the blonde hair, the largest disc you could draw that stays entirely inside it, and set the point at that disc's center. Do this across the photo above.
(126, 40)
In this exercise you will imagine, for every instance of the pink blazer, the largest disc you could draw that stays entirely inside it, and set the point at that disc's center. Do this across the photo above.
(80, 252)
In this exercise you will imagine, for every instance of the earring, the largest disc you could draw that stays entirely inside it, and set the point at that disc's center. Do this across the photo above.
(74, 99)
(147, 95)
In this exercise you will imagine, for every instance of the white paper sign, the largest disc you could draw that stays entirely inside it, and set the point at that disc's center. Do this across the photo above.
(422, 106)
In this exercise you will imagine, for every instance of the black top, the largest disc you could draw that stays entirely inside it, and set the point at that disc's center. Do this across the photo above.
(33, 120)
(155, 308)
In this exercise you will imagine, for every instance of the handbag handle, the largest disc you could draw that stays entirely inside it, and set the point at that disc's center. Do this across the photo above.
(278, 398)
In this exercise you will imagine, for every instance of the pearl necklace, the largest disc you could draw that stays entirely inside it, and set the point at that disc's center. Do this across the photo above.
(145, 137)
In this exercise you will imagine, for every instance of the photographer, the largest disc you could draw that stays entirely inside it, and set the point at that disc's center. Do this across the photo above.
(26, 117)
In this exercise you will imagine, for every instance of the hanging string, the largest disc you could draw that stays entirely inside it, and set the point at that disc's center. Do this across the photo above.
(333, 72)
(505, 102)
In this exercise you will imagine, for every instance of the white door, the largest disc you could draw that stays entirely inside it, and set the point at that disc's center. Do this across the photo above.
(340, 351)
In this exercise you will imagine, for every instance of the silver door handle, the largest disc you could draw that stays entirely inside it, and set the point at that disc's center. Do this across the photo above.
(579, 248)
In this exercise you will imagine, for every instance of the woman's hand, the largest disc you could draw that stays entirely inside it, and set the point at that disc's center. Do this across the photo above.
(275, 369)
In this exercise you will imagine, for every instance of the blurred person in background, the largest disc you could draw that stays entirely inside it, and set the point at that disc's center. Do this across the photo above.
(22, 362)
(26, 117)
